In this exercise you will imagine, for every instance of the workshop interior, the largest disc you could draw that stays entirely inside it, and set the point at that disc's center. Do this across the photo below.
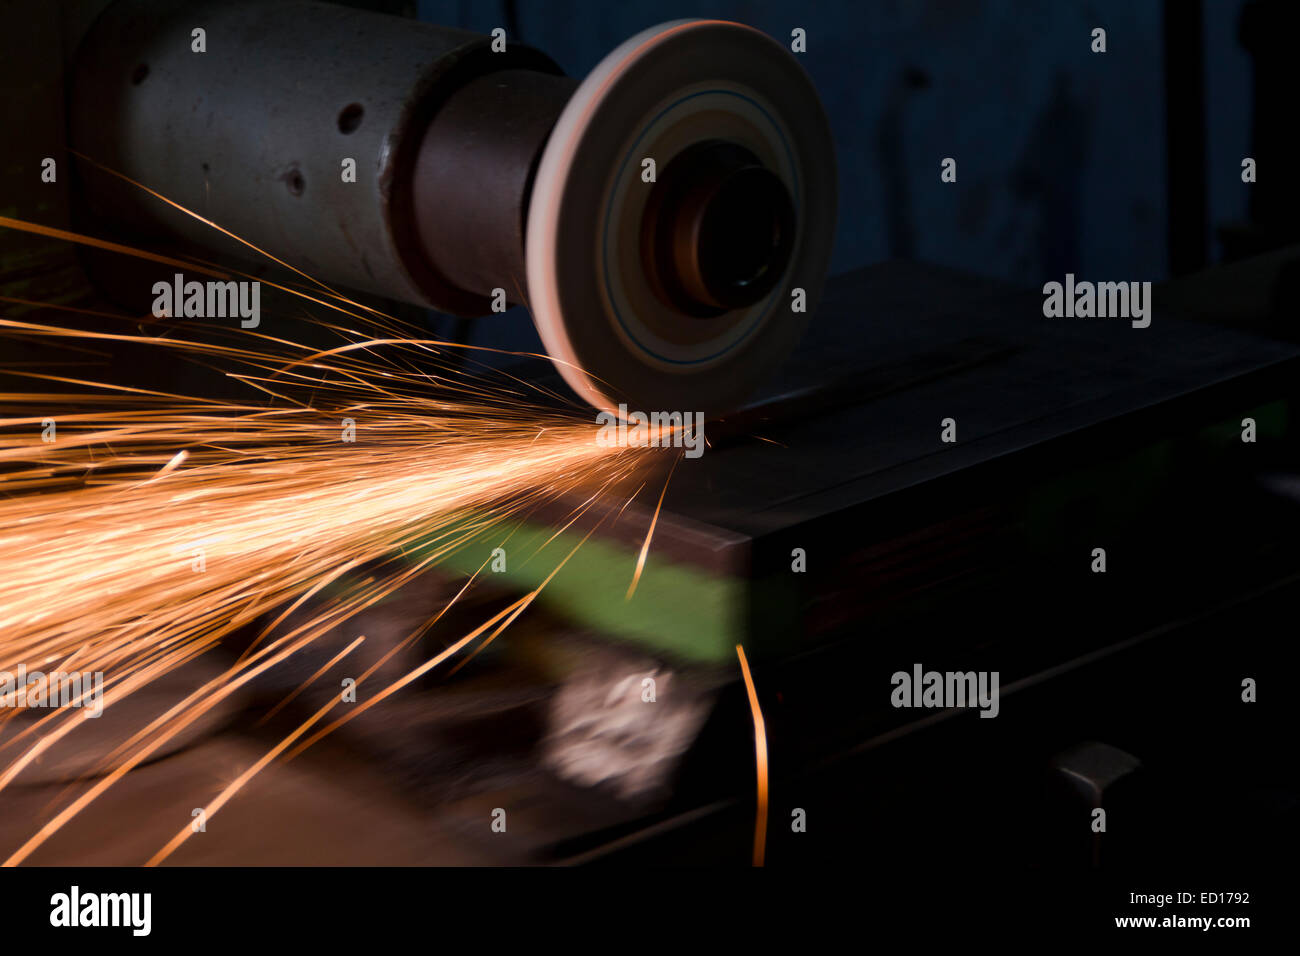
(984, 554)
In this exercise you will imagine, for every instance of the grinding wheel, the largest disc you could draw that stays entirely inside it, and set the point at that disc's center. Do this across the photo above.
(677, 294)
(485, 177)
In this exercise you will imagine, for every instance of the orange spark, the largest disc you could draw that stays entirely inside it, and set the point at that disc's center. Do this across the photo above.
(649, 535)
(760, 758)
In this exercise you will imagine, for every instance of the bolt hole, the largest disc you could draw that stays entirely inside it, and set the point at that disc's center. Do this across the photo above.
(350, 118)
(139, 73)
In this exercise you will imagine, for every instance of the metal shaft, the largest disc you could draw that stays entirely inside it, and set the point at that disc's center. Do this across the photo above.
(255, 133)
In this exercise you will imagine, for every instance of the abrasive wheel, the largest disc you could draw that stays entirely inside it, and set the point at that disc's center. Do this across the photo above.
(678, 294)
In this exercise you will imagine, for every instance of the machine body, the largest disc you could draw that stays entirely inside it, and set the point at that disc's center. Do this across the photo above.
(667, 221)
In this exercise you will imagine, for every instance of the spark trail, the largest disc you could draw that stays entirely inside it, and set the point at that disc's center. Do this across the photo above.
(156, 524)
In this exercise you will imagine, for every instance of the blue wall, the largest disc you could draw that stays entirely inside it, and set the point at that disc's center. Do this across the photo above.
(1061, 152)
